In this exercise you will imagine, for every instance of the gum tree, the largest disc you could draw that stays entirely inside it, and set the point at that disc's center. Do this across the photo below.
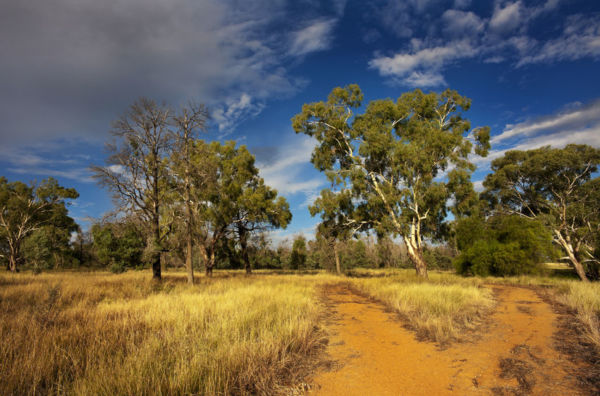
(555, 186)
(190, 120)
(400, 159)
(136, 170)
(28, 208)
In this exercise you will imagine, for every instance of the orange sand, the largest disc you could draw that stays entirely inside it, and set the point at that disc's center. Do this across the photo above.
(380, 357)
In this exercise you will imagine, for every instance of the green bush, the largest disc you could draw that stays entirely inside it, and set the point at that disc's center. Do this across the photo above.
(502, 246)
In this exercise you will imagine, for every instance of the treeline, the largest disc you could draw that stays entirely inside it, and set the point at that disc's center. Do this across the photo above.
(399, 171)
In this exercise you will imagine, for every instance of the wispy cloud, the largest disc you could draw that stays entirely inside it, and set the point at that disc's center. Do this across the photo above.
(563, 121)
(228, 115)
(580, 126)
(421, 67)
(285, 172)
(317, 36)
(458, 35)
(34, 161)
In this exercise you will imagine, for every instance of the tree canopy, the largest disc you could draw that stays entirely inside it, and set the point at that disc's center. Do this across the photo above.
(27, 208)
(402, 160)
(556, 186)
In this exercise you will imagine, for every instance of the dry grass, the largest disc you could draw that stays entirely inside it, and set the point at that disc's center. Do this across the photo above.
(440, 309)
(584, 298)
(102, 334)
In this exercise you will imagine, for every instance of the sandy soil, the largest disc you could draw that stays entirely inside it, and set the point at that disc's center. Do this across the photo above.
(375, 355)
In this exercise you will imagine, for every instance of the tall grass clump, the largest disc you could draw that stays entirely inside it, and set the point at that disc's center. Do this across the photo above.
(124, 335)
(441, 309)
(584, 298)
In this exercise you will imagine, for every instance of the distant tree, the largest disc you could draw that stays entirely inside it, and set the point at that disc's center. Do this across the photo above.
(299, 253)
(118, 245)
(190, 120)
(27, 208)
(555, 186)
(339, 219)
(394, 156)
(136, 170)
(258, 209)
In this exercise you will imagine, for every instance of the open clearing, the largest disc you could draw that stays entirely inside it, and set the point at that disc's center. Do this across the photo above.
(376, 355)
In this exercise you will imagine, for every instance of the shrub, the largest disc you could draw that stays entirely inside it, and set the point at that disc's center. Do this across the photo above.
(502, 246)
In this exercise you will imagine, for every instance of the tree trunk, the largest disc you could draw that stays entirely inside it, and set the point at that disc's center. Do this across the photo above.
(568, 247)
(13, 257)
(416, 256)
(188, 259)
(338, 267)
(188, 198)
(210, 263)
(156, 269)
(244, 245)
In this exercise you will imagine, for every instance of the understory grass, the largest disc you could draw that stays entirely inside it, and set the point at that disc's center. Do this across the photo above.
(124, 335)
(440, 309)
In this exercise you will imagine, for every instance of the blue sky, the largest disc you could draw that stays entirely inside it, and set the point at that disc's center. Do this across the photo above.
(68, 68)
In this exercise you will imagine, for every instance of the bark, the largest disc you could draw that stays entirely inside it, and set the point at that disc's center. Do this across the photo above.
(188, 259)
(416, 256)
(338, 267)
(568, 247)
(13, 257)
(190, 214)
(156, 269)
(244, 245)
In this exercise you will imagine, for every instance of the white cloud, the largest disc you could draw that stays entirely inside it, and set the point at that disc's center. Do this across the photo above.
(316, 36)
(284, 173)
(580, 38)
(579, 126)
(568, 120)
(460, 23)
(422, 67)
(228, 115)
(459, 35)
(508, 18)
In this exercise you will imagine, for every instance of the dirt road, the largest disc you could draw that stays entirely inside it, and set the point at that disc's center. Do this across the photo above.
(377, 356)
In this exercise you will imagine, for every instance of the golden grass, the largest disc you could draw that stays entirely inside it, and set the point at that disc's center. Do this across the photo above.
(104, 334)
(584, 298)
(440, 309)
(122, 334)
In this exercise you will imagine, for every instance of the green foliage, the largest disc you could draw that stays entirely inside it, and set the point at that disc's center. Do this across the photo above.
(231, 200)
(385, 163)
(25, 209)
(118, 245)
(502, 246)
(439, 257)
(354, 255)
(555, 186)
(299, 254)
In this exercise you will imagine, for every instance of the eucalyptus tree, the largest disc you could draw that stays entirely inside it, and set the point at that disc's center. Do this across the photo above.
(258, 209)
(556, 186)
(231, 198)
(403, 160)
(190, 120)
(27, 208)
(136, 169)
(339, 219)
